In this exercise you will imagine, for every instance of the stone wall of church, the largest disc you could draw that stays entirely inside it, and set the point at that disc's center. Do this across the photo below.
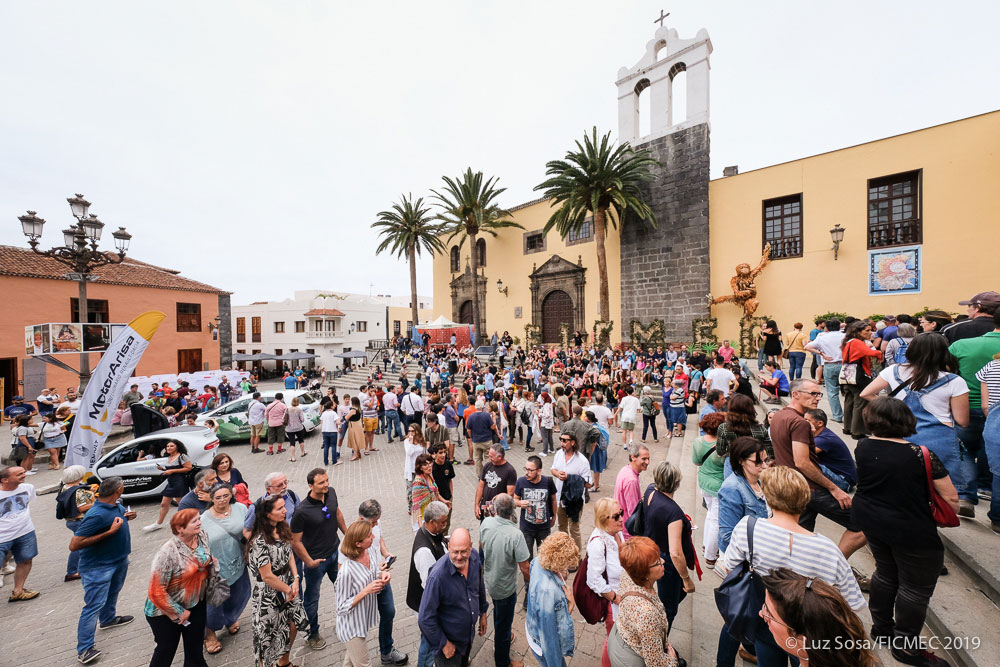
(665, 271)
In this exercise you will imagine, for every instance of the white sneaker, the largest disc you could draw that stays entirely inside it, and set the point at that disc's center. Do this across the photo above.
(151, 527)
(30, 472)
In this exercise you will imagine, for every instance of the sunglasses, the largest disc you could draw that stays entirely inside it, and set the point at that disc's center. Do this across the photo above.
(326, 511)
(530, 469)
(617, 515)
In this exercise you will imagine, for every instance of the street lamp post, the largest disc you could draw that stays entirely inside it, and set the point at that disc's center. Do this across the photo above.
(79, 252)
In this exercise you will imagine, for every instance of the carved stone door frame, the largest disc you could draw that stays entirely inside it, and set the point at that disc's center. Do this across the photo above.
(559, 274)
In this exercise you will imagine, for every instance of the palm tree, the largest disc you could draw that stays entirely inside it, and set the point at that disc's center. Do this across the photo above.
(468, 208)
(594, 179)
(407, 229)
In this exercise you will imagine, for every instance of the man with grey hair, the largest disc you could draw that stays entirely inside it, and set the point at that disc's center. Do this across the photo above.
(371, 511)
(275, 483)
(480, 428)
(627, 491)
(198, 498)
(504, 552)
(104, 543)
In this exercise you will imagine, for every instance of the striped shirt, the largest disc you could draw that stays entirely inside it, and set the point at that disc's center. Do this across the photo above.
(351, 578)
(809, 555)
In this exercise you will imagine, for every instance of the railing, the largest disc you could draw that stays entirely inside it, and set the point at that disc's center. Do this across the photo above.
(325, 335)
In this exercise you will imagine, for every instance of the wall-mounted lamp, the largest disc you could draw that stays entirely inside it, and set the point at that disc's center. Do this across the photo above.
(837, 234)
(500, 287)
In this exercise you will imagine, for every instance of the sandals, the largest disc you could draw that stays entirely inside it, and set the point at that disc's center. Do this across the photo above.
(292, 460)
(23, 595)
(212, 648)
(234, 628)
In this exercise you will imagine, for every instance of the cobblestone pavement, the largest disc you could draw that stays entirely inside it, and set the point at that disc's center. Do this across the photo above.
(43, 631)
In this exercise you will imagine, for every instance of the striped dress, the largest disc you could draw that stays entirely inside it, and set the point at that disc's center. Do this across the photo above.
(353, 576)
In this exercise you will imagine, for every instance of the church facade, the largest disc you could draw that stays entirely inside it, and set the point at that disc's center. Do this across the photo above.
(917, 214)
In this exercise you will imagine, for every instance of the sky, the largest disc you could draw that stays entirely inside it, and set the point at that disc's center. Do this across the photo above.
(250, 144)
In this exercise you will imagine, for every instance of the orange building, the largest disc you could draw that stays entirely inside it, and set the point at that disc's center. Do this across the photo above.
(34, 290)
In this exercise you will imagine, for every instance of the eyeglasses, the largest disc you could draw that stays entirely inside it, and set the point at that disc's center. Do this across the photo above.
(526, 469)
(762, 462)
(617, 515)
(814, 394)
(659, 563)
(768, 617)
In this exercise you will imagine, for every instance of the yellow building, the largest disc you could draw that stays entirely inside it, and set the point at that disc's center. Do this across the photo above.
(918, 214)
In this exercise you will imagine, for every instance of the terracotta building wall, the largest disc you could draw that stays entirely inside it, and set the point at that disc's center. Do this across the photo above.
(25, 301)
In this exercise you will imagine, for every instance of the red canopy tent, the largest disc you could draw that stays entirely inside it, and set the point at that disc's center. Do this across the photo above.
(441, 330)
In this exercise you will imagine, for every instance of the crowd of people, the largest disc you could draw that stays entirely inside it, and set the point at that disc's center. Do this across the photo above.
(908, 402)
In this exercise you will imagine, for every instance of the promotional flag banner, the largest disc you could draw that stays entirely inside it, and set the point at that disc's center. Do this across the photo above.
(107, 385)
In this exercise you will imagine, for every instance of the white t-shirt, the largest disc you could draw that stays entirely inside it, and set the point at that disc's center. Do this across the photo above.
(828, 343)
(412, 451)
(720, 379)
(51, 430)
(329, 421)
(629, 407)
(577, 465)
(15, 519)
(937, 402)
(74, 406)
(602, 412)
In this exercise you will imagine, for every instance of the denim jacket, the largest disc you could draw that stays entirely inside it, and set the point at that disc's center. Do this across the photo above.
(737, 500)
(548, 622)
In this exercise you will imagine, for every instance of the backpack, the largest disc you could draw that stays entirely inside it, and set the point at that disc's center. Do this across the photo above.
(66, 503)
(899, 356)
(525, 418)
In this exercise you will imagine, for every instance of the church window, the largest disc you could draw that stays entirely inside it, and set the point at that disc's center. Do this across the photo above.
(455, 265)
(783, 226)
(584, 233)
(894, 210)
(534, 242)
(481, 249)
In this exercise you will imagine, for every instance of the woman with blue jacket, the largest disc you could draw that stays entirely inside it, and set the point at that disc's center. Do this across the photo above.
(548, 625)
(740, 494)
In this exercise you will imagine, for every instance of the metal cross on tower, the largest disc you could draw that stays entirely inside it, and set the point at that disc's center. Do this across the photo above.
(662, 18)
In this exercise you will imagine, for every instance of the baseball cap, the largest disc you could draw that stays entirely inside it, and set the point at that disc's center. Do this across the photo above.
(982, 297)
(18, 398)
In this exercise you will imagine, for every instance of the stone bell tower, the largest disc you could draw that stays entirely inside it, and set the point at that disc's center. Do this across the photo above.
(665, 270)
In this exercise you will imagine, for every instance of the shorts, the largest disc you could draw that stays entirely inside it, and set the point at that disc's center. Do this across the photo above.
(23, 548)
(628, 426)
(275, 434)
(257, 430)
(598, 459)
(823, 503)
(454, 436)
(370, 424)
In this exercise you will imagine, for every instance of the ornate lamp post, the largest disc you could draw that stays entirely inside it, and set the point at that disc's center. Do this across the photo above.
(79, 252)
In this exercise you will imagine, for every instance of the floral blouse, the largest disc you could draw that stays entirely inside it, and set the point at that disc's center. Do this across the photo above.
(642, 624)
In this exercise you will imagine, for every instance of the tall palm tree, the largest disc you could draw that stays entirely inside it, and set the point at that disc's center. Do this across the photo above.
(468, 209)
(407, 229)
(594, 179)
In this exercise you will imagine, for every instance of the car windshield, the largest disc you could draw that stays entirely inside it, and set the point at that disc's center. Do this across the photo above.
(306, 399)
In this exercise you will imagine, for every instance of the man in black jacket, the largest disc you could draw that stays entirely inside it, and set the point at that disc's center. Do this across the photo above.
(429, 545)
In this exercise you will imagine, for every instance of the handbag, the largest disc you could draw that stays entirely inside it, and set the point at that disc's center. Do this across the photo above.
(217, 591)
(944, 515)
(741, 595)
(636, 523)
(593, 607)
(848, 374)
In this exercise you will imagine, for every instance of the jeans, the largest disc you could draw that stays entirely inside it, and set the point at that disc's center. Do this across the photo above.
(314, 579)
(425, 656)
(330, 453)
(503, 622)
(167, 634)
(386, 613)
(761, 358)
(729, 646)
(831, 375)
(527, 443)
(392, 424)
(903, 582)
(73, 562)
(796, 362)
(101, 585)
(229, 611)
(647, 421)
(972, 437)
(533, 537)
(381, 423)
(547, 446)
(991, 436)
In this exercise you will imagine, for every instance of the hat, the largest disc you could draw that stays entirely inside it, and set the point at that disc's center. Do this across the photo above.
(18, 398)
(982, 298)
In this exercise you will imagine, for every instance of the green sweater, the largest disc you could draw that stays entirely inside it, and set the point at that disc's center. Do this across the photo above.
(711, 471)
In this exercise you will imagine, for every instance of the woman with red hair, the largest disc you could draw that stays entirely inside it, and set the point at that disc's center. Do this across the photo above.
(175, 602)
(640, 632)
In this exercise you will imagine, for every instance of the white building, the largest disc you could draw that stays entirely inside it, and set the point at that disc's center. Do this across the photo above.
(323, 323)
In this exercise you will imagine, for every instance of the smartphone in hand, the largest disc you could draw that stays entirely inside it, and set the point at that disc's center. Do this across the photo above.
(389, 562)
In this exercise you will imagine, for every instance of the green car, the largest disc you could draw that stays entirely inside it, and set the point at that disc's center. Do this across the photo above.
(234, 422)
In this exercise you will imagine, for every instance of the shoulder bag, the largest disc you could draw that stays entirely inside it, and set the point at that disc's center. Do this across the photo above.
(741, 595)
(593, 607)
(944, 515)
(636, 524)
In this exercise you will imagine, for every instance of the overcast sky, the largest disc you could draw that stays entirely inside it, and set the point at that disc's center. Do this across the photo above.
(250, 144)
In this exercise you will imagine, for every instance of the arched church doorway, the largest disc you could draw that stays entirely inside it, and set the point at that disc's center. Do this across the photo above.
(557, 309)
(465, 312)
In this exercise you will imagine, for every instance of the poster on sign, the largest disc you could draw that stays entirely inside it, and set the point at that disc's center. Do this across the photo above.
(67, 337)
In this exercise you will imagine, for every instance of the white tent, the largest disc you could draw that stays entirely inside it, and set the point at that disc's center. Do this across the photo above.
(441, 323)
